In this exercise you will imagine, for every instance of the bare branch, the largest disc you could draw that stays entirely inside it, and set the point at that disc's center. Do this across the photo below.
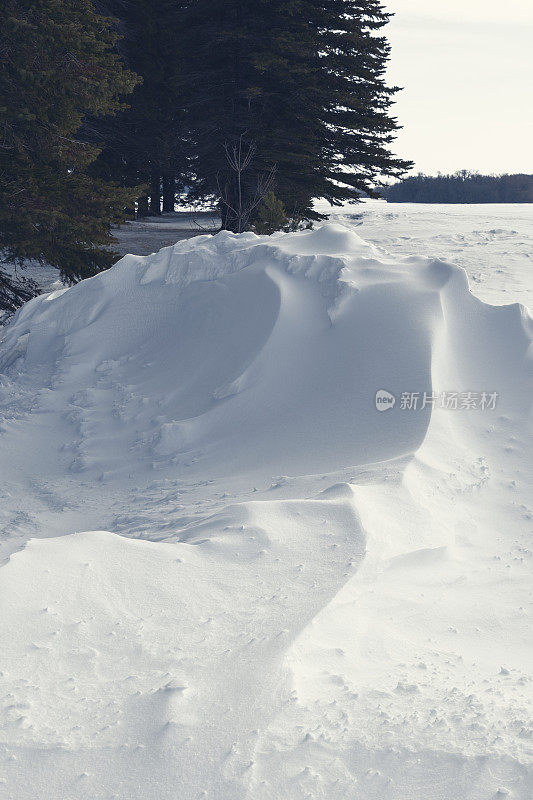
(235, 196)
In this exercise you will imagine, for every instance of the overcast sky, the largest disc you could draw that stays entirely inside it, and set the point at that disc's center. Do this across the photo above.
(467, 71)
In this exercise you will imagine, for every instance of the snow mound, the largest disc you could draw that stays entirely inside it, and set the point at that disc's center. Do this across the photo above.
(244, 351)
(307, 571)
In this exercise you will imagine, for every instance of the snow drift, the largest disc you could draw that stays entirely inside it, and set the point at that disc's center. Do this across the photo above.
(334, 600)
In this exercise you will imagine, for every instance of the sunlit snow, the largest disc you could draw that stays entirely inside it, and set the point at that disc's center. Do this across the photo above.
(226, 573)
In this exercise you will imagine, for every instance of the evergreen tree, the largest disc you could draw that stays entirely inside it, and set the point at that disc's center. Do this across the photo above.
(296, 88)
(57, 66)
(143, 144)
(271, 216)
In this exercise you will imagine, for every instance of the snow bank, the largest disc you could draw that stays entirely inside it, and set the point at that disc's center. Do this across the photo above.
(312, 596)
(267, 352)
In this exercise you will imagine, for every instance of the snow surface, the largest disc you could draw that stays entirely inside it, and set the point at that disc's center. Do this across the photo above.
(228, 575)
(493, 242)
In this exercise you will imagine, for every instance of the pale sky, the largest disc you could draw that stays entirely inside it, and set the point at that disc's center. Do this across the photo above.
(467, 71)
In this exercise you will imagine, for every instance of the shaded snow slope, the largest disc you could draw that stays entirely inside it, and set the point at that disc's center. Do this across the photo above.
(308, 597)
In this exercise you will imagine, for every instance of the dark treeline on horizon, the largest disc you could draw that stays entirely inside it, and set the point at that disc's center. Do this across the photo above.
(461, 187)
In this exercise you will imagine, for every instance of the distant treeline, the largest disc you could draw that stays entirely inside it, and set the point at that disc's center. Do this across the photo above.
(461, 187)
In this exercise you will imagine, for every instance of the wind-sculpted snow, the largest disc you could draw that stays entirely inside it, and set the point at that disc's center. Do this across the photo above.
(309, 596)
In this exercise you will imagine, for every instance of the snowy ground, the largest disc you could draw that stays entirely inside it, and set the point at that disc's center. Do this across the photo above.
(227, 574)
(492, 242)
(142, 237)
(145, 236)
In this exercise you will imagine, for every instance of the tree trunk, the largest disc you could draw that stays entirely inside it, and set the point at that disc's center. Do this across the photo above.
(223, 216)
(142, 206)
(169, 193)
(231, 207)
(155, 195)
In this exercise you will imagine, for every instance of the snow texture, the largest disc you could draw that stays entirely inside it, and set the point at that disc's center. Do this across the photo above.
(226, 574)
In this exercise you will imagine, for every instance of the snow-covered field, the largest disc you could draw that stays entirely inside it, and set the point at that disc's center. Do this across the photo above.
(227, 573)
(492, 242)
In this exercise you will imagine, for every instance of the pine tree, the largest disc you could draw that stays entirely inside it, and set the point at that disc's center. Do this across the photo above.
(143, 144)
(57, 66)
(295, 85)
(271, 215)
